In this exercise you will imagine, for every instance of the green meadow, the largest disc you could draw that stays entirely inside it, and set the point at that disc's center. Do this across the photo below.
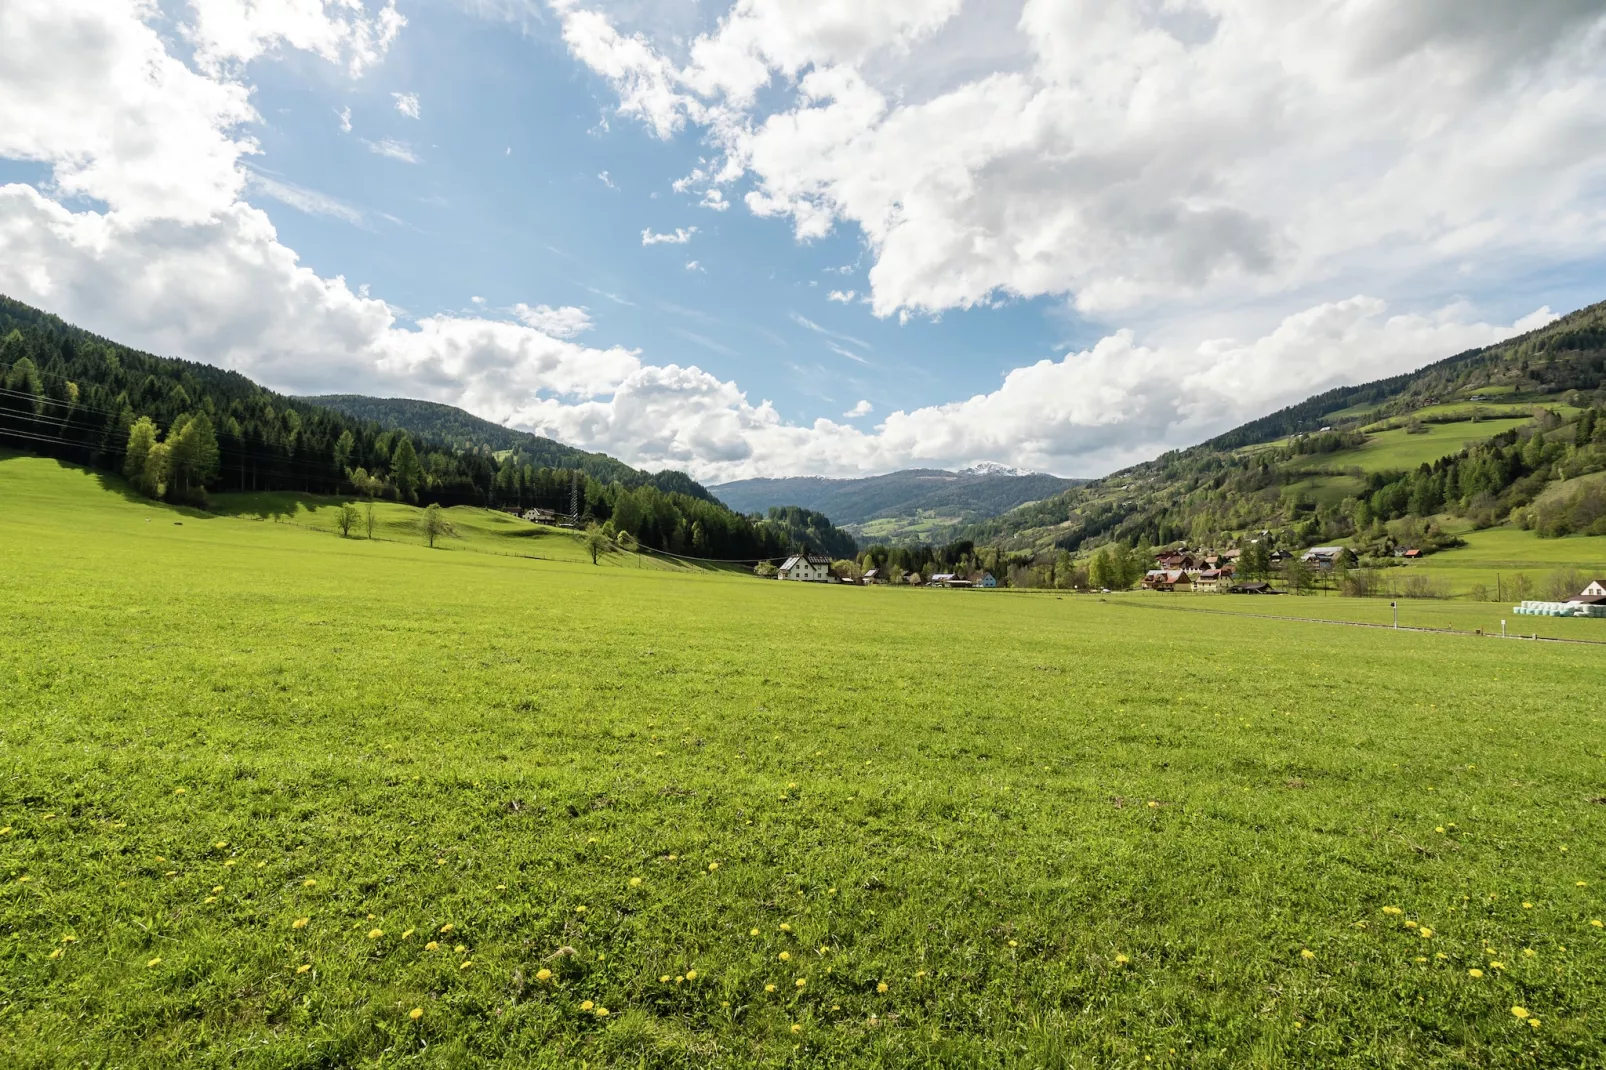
(270, 797)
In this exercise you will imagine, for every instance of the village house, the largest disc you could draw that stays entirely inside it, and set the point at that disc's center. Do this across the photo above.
(1323, 557)
(986, 580)
(1162, 579)
(948, 579)
(810, 568)
(1596, 589)
(541, 516)
(874, 576)
(1210, 580)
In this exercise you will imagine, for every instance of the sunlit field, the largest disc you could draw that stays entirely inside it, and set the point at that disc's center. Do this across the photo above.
(274, 798)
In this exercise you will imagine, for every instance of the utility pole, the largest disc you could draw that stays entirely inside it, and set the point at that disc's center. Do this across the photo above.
(574, 498)
(1395, 606)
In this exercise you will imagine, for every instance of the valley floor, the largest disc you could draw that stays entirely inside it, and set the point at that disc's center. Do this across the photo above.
(273, 798)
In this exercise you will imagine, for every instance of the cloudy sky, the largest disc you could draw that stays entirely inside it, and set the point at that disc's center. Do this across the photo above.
(836, 237)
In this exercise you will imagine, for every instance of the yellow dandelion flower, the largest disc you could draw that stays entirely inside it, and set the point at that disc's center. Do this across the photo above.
(664, 980)
(674, 858)
(881, 986)
(466, 964)
(801, 981)
(221, 844)
(786, 956)
(543, 975)
(69, 939)
(797, 1029)
(169, 873)
(1121, 960)
(371, 917)
(1425, 932)
(304, 967)
(229, 863)
(824, 950)
(1527, 906)
(210, 899)
(602, 1012)
(56, 954)
(24, 879)
(769, 988)
(830, 891)
(431, 946)
(178, 791)
(153, 963)
(919, 974)
(5, 831)
(309, 883)
(1497, 965)
(752, 932)
(1439, 829)
(1393, 910)
(1013, 944)
(1474, 972)
(1580, 884)
(577, 910)
(1410, 925)
(1307, 954)
(691, 975)
(1520, 1012)
(460, 948)
(1596, 922)
(448, 927)
(785, 928)
(635, 882)
(1534, 1022)
(1529, 953)
(680, 980)
(300, 923)
(1420, 958)
(407, 934)
(712, 866)
(262, 865)
(375, 934)
(216, 888)
(416, 1013)
(587, 1005)
(1440, 955)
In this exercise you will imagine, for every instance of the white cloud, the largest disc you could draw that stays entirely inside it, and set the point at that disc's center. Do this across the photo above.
(678, 236)
(1136, 156)
(407, 104)
(226, 32)
(307, 200)
(345, 119)
(692, 265)
(390, 147)
(564, 322)
(863, 408)
(605, 180)
(714, 199)
(843, 296)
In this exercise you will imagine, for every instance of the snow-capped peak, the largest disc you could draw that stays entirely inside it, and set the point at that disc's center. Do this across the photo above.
(993, 468)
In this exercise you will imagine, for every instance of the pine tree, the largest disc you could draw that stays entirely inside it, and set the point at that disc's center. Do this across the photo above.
(405, 471)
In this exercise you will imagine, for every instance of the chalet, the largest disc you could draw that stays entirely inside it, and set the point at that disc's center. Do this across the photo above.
(541, 516)
(810, 568)
(1210, 580)
(1162, 579)
(1596, 589)
(1413, 554)
(986, 580)
(1256, 587)
(874, 576)
(949, 579)
(1322, 556)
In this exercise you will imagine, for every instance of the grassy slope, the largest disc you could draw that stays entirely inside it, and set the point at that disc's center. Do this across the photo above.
(494, 743)
(1397, 451)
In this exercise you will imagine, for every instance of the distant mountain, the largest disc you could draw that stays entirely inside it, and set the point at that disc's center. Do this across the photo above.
(452, 426)
(918, 503)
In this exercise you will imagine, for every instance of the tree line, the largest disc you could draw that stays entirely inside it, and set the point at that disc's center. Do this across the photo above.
(179, 429)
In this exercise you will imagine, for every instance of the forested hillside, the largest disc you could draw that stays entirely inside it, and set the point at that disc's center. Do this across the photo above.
(177, 429)
(452, 426)
(1509, 433)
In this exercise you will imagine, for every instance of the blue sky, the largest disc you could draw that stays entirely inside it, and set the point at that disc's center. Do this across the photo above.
(1075, 234)
(506, 203)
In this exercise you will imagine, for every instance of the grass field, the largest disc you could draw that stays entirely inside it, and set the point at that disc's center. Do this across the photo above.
(1399, 451)
(272, 798)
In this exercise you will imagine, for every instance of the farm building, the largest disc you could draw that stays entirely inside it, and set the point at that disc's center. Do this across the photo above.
(987, 580)
(1322, 556)
(1254, 587)
(810, 568)
(874, 576)
(949, 579)
(1210, 579)
(1162, 579)
(1596, 589)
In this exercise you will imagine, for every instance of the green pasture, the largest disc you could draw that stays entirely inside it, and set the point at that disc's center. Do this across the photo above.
(1399, 451)
(274, 798)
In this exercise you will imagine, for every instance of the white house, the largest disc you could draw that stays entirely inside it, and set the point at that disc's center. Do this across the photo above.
(1596, 589)
(810, 568)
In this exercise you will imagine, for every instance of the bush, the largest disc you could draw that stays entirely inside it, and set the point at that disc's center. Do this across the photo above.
(765, 570)
(1420, 586)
